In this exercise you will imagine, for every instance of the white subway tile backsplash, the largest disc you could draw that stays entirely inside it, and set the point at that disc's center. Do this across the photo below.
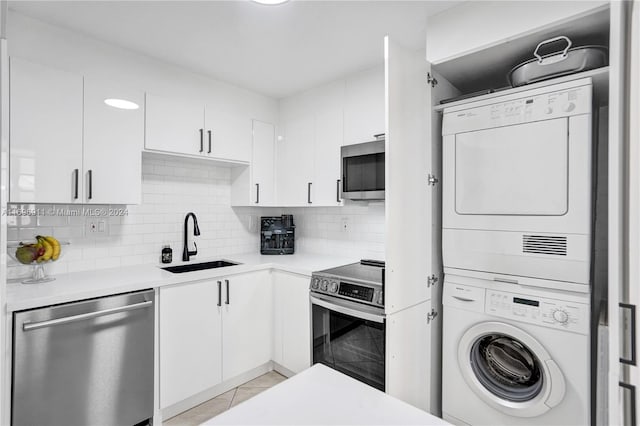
(172, 187)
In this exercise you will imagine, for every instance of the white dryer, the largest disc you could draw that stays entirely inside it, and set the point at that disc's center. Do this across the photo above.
(514, 355)
(517, 182)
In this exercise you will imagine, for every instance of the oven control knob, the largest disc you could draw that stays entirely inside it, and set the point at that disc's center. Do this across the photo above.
(380, 300)
(568, 107)
(333, 287)
(324, 285)
(549, 110)
(315, 283)
(560, 316)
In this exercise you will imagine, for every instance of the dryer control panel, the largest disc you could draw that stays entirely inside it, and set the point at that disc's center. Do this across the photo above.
(527, 107)
(560, 314)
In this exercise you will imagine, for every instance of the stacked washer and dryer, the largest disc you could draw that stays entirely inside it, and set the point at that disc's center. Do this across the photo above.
(517, 250)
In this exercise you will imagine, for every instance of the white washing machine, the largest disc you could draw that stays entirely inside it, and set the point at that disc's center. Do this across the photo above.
(514, 354)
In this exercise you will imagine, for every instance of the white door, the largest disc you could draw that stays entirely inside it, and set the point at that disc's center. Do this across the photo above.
(190, 338)
(292, 333)
(228, 134)
(174, 125)
(624, 292)
(247, 327)
(113, 142)
(45, 117)
(295, 164)
(263, 163)
(329, 127)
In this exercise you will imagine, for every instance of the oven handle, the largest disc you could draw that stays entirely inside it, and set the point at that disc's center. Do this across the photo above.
(347, 310)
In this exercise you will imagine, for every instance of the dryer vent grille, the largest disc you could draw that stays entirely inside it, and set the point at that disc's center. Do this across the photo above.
(544, 244)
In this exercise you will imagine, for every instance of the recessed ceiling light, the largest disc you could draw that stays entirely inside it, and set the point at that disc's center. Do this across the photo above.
(270, 2)
(121, 104)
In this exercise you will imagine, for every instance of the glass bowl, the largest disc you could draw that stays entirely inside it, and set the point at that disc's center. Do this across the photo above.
(38, 275)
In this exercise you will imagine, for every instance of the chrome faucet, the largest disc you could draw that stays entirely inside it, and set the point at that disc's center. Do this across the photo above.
(196, 231)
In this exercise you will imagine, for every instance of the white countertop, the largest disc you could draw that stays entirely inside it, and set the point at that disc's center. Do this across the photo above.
(322, 396)
(103, 282)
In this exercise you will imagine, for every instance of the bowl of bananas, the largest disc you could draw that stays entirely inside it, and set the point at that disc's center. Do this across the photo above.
(44, 250)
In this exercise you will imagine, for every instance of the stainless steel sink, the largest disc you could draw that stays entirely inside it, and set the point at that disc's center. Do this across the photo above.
(199, 266)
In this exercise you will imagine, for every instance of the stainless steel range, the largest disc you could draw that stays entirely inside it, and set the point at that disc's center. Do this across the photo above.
(348, 320)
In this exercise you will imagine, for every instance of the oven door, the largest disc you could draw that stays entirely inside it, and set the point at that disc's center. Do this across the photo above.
(349, 337)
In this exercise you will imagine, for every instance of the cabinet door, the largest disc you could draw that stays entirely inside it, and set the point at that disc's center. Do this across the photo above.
(113, 140)
(190, 336)
(295, 161)
(45, 117)
(292, 334)
(329, 124)
(247, 324)
(174, 126)
(262, 162)
(228, 134)
(364, 114)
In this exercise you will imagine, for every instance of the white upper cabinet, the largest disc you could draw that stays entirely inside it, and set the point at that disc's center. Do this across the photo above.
(67, 145)
(174, 125)
(364, 106)
(45, 134)
(228, 134)
(113, 139)
(295, 160)
(329, 131)
(263, 162)
(191, 128)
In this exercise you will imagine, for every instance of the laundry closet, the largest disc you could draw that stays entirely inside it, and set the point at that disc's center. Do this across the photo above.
(499, 205)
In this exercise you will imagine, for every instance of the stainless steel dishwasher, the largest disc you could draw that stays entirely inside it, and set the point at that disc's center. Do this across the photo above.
(85, 363)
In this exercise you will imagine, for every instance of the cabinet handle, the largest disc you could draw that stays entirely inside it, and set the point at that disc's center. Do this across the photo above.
(629, 404)
(257, 193)
(219, 293)
(309, 193)
(90, 173)
(75, 178)
(209, 132)
(338, 191)
(227, 283)
(201, 140)
(630, 318)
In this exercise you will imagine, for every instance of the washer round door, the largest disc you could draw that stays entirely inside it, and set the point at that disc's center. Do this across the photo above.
(510, 370)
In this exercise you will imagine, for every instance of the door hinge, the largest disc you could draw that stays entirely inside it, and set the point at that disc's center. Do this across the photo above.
(431, 80)
(432, 179)
(431, 281)
(431, 315)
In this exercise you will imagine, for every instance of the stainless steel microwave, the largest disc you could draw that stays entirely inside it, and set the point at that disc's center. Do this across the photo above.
(362, 171)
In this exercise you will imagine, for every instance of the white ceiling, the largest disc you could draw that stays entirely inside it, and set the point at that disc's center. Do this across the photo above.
(274, 50)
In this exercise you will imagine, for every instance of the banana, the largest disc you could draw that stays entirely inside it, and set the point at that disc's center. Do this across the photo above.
(56, 246)
(48, 249)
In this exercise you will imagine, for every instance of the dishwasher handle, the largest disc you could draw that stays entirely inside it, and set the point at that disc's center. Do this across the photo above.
(27, 326)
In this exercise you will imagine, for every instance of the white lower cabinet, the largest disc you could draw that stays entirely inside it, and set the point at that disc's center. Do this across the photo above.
(247, 333)
(211, 331)
(190, 337)
(292, 321)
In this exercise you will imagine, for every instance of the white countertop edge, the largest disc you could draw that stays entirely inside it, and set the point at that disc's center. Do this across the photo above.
(104, 282)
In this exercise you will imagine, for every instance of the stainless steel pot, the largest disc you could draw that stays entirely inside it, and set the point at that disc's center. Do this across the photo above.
(564, 62)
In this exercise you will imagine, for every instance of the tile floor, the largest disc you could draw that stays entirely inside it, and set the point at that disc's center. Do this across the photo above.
(223, 402)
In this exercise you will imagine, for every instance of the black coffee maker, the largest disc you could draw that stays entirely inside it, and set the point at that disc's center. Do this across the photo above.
(277, 234)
